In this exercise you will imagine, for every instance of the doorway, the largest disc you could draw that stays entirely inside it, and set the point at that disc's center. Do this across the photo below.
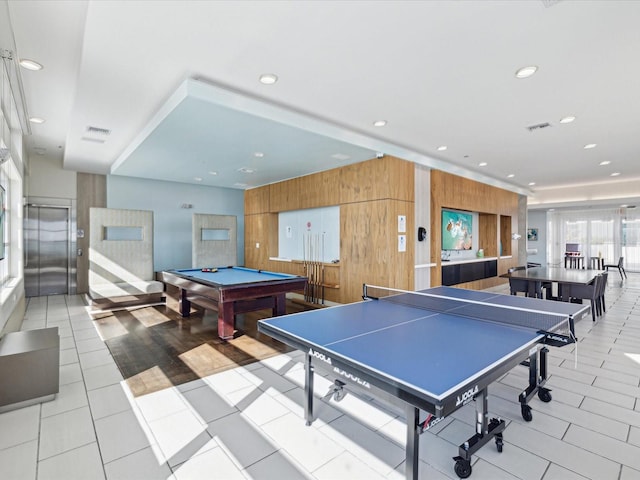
(47, 246)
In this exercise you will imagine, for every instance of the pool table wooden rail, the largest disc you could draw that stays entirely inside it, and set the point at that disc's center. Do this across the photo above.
(230, 300)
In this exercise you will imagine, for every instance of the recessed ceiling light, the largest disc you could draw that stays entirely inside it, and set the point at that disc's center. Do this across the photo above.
(605, 162)
(239, 184)
(551, 210)
(482, 164)
(258, 154)
(624, 206)
(568, 119)
(615, 174)
(525, 72)
(531, 184)
(246, 170)
(590, 145)
(197, 179)
(511, 175)
(379, 123)
(442, 148)
(212, 172)
(30, 64)
(36, 120)
(268, 78)
(340, 156)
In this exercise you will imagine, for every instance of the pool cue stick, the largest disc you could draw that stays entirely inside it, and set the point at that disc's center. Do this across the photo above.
(315, 269)
(318, 268)
(304, 266)
(323, 267)
(310, 239)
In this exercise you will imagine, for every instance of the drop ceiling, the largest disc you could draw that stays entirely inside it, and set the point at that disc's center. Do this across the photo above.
(176, 85)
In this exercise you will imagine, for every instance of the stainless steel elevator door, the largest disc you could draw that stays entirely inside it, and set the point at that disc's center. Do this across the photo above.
(46, 235)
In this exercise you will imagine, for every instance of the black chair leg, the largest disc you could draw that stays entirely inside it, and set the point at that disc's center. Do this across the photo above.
(593, 310)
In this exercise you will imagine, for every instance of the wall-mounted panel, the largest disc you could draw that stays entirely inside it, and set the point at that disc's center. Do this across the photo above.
(310, 234)
(214, 240)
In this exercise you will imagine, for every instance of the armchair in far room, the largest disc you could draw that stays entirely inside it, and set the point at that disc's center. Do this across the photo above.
(619, 266)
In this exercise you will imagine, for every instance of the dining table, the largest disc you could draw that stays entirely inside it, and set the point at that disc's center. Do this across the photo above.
(563, 278)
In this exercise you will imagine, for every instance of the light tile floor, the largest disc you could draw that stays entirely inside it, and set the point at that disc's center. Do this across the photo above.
(248, 422)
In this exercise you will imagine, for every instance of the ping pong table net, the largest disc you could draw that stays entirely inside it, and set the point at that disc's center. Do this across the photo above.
(557, 328)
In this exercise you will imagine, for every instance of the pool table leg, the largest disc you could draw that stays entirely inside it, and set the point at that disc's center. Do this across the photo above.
(226, 320)
(279, 305)
(184, 304)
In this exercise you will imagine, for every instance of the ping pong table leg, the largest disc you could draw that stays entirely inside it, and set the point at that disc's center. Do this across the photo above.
(537, 380)
(411, 463)
(308, 390)
(486, 430)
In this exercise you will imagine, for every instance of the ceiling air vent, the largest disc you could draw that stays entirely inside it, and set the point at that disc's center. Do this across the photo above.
(98, 130)
(539, 126)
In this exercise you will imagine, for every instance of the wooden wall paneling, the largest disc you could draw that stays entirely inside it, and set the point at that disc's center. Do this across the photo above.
(318, 190)
(311, 191)
(364, 245)
(379, 178)
(401, 175)
(257, 231)
(371, 195)
(362, 181)
(401, 269)
(488, 234)
(285, 195)
(505, 235)
(452, 191)
(256, 200)
(91, 192)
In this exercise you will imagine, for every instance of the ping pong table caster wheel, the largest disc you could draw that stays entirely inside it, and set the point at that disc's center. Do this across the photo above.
(544, 395)
(462, 468)
(526, 413)
(499, 443)
(338, 390)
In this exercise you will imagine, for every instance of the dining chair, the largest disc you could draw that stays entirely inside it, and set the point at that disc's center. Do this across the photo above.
(587, 292)
(602, 308)
(619, 266)
(519, 285)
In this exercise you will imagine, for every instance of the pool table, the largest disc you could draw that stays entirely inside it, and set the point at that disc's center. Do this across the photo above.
(232, 290)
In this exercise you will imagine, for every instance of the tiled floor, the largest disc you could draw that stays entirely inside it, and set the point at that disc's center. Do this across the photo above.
(247, 422)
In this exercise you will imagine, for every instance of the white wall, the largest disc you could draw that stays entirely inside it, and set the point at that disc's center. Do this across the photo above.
(172, 224)
(422, 274)
(537, 219)
(48, 179)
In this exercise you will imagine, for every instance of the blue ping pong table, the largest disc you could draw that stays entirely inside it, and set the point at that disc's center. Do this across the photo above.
(434, 351)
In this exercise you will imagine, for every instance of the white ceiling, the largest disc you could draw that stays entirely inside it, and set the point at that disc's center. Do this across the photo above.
(176, 83)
